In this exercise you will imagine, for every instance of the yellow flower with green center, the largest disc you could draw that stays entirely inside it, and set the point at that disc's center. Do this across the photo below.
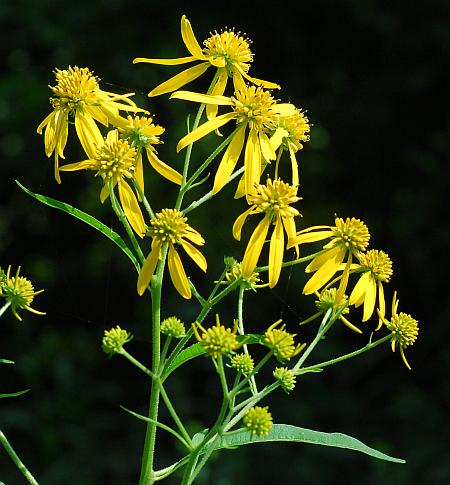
(404, 328)
(227, 51)
(114, 163)
(347, 238)
(142, 133)
(235, 273)
(78, 98)
(253, 108)
(217, 340)
(375, 268)
(258, 420)
(169, 227)
(290, 132)
(18, 292)
(281, 342)
(273, 200)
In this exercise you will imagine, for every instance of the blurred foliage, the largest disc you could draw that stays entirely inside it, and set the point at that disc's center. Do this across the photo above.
(373, 76)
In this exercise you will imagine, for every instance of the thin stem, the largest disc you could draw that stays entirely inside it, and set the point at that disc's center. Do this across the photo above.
(260, 269)
(16, 460)
(251, 374)
(120, 214)
(137, 363)
(4, 308)
(143, 198)
(148, 456)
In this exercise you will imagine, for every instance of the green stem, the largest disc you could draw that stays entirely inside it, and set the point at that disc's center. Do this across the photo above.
(4, 308)
(137, 363)
(143, 198)
(120, 214)
(148, 455)
(260, 269)
(16, 460)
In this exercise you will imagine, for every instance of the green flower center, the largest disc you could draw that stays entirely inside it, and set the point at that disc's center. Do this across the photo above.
(352, 233)
(378, 262)
(254, 105)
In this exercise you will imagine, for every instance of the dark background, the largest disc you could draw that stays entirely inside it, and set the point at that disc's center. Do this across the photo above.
(373, 77)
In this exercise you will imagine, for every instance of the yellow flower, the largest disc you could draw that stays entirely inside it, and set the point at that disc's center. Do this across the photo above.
(289, 133)
(258, 420)
(281, 342)
(404, 329)
(114, 162)
(243, 363)
(18, 292)
(376, 269)
(77, 97)
(217, 340)
(114, 339)
(227, 51)
(170, 227)
(273, 200)
(347, 238)
(252, 107)
(142, 133)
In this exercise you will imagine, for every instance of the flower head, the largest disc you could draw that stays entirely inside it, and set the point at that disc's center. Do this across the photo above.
(114, 162)
(173, 327)
(253, 108)
(228, 51)
(142, 134)
(286, 378)
(281, 342)
(77, 96)
(18, 292)
(258, 420)
(404, 329)
(274, 200)
(234, 273)
(347, 238)
(169, 227)
(375, 268)
(114, 339)
(243, 363)
(217, 340)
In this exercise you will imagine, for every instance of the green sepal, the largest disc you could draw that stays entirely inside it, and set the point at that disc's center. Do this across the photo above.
(88, 219)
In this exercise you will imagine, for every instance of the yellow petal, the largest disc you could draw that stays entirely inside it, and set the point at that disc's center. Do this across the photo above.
(254, 247)
(252, 162)
(72, 167)
(177, 273)
(239, 222)
(88, 134)
(240, 190)
(45, 122)
(358, 293)
(201, 98)
(194, 236)
(139, 173)
(180, 79)
(104, 193)
(321, 259)
(381, 304)
(323, 274)
(369, 300)
(163, 169)
(131, 208)
(294, 165)
(277, 138)
(229, 160)
(189, 39)
(148, 268)
(276, 252)
(285, 109)
(204, 129)
(98, 114)
(266, 148)
(238, 82)
(254, 80)
(218, 90)
(165, 62)
(309, 237)
(195, 254)
(289, 226)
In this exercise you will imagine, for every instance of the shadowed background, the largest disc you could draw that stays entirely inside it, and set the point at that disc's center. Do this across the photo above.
(373, 78)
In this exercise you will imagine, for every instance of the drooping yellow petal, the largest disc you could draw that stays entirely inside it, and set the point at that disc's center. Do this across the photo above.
(323, 274)
(139, 174)
(285, 109)
(289, 227)
(201, 98)
(180, 79)
(369, 300)
(277, 138)
(266, 148)
(276, 253)
(229, 160)
(148, 268)
(381, 305)
(163, 169)
(358, 293)
(177, 273)
(204, 129)
(49, 136)
(194, 236)
(402, 353)
(195, 255)
(240, 190)
(189, 39)
(218, 90)
(252, 161)
(254, 247)
(254, 80)
(88, 134)
(239, 222)
(98, 114)
(131, 208)
(319, 260)
(73, 167)
(165, 62)
(349, 324)
(309, 237)
(104, 193)
(294, 165)
(46, 121)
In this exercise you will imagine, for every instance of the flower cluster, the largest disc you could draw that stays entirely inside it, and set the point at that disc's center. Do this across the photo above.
(114, 340)
(258, 420)
(217, 340)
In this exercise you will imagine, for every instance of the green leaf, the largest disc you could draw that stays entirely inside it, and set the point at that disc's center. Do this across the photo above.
(287, 432)
(196, 350)
(87, 218)
(6, 361)
(14, 394)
